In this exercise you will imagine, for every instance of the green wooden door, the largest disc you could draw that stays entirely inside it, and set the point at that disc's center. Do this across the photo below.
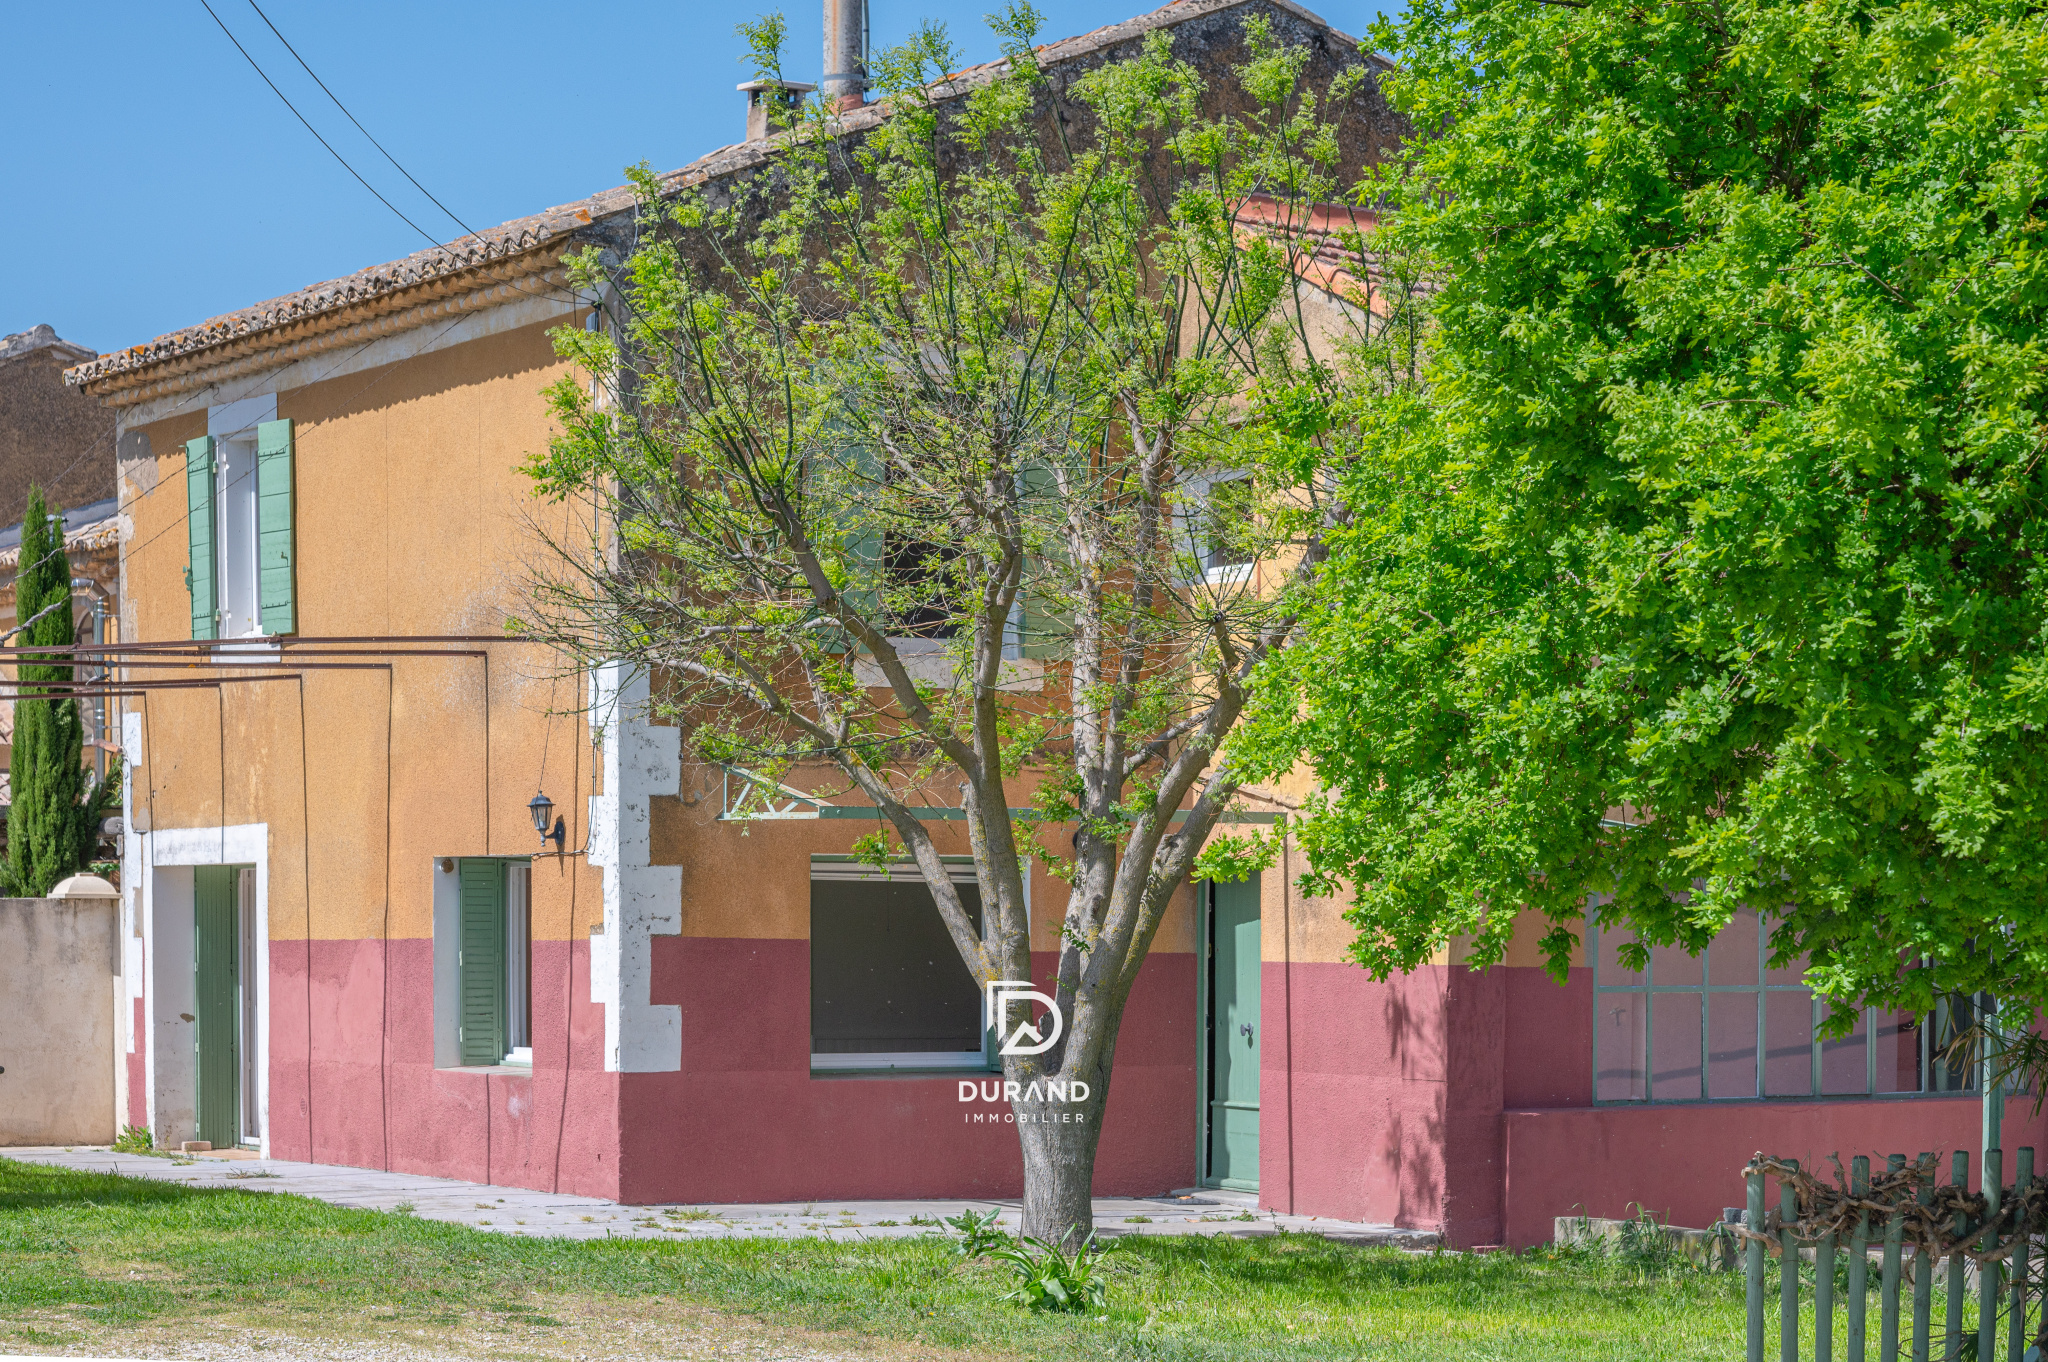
(216, 951)
(1232, 1135)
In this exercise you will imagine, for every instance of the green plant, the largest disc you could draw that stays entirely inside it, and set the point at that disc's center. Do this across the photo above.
(1722, 503)
(1642, 1244)
(979, 1232)
(1645, 1241)
(1051, 1280)
(54, 817)
(134, 1140)
(911, 389)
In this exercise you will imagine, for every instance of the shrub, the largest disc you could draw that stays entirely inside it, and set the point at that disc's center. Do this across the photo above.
(979, 1232)
(1053, 1281)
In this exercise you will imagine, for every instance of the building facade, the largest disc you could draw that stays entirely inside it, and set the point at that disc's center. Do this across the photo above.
(347, 941)
(347, 938)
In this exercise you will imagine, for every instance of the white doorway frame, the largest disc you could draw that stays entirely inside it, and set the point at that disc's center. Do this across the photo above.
(168, 857)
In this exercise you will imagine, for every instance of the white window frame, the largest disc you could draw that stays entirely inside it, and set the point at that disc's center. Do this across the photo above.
(1196, 490)
(238, 601)
(518, 966)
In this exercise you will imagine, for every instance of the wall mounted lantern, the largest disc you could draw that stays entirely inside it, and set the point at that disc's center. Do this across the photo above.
(543, 809)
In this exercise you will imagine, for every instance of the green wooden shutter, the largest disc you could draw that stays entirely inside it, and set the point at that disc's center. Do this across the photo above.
(275, 551)
(864, 539)
(482, 967)
(216, 960)
(199, 519)
(1045, 632)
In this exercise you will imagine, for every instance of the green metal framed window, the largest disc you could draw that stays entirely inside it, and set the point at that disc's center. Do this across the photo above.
(1725, 1026)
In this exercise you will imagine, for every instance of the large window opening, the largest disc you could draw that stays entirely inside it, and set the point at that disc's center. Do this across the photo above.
(1219, 525)
(1723, 1025)
(888, 987)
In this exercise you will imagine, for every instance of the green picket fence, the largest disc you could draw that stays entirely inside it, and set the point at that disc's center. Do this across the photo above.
(1911, 1228)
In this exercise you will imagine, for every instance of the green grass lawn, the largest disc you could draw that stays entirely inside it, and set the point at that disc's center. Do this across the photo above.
(98, 1255)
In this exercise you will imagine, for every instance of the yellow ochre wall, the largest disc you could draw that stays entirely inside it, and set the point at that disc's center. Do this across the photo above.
(754, 879)
(411, 518)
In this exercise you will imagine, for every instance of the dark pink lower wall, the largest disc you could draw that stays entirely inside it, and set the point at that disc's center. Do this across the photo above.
(1461, 1101)
(353, 1082)
(352, 1076)
(745, 1121)
(1381, 1102)
(1684, 1163)
(1547, 1052)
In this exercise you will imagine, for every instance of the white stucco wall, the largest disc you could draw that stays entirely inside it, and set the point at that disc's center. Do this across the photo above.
(640, 760)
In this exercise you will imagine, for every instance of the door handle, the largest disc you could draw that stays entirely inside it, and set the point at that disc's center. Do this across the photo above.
(1246, 1031)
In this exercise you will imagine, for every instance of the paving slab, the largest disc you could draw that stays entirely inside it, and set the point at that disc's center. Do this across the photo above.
(519, 1210)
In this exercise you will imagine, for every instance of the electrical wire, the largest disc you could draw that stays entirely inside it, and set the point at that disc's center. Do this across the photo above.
(260, 379)
(358, 122)
(315, 131)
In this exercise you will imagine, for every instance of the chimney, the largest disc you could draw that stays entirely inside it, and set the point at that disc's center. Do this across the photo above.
(846, 44)
(770, 104)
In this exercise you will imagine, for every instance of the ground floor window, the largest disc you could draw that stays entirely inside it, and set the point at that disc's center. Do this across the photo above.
(494, 961)
(888, 987)
(1723, 1025)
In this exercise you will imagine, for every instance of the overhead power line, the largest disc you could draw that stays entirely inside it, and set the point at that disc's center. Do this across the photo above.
(358, 122)
(315, 131)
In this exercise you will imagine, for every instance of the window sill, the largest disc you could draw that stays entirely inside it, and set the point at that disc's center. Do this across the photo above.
(504, 1070)
(1631, 1103)
(964, 1071)
(1228, 574)
(904, 1065)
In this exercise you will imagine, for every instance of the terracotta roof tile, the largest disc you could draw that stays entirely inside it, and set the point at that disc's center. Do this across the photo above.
(522, 235)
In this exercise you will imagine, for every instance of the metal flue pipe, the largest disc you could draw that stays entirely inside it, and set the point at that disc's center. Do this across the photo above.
(845, 82)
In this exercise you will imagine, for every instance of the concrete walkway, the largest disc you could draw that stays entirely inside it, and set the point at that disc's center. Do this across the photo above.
(515, 1210)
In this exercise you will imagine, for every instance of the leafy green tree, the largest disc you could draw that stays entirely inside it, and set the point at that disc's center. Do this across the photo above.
(897, 456)
(55, 810)
(1709, 556)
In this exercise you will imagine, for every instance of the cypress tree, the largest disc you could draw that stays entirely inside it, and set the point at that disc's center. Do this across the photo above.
(52, 822)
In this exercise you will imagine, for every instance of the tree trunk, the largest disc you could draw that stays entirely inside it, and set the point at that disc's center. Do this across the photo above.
(1059, 1170)
(1059, 1140)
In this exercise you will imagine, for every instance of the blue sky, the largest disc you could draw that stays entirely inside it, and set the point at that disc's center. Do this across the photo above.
(151, 179)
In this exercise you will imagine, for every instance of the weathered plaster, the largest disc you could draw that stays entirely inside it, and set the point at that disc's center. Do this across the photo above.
(642, 760)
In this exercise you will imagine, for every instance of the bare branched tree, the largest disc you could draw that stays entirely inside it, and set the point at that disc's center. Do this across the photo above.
(975, 454)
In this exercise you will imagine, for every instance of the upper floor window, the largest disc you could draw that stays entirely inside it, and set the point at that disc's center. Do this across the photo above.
(239, 517)
(1219, 521)
(1722, 1025)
